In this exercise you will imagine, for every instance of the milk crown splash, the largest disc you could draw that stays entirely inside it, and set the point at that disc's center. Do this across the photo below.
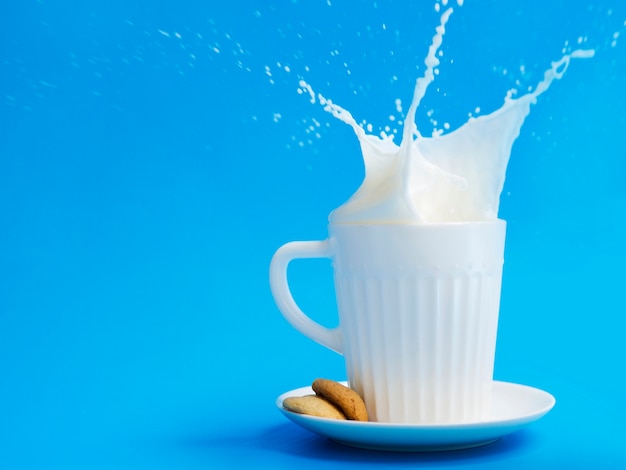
(455, 177)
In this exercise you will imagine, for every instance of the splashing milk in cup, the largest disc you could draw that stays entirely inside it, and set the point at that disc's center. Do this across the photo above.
(417, 254)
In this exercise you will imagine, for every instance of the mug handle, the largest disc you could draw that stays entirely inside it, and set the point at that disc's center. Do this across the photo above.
(329, 337)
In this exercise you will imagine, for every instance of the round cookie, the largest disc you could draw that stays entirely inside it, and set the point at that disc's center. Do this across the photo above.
(314, 406)
(344, 398)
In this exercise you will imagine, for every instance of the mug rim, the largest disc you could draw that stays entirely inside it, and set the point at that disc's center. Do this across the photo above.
(497, 221)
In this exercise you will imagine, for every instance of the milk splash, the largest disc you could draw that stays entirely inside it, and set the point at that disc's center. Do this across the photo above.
(455, 177)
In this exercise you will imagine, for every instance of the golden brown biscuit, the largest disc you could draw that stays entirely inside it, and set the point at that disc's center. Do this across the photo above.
(344, 398)
(314, 406)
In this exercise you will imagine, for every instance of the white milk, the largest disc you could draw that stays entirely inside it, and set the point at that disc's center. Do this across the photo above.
(456, 177)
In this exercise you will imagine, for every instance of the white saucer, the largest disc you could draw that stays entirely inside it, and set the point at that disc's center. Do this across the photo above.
(514, 406)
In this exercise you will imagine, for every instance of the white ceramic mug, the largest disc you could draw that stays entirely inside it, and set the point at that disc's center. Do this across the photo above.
(418, 313)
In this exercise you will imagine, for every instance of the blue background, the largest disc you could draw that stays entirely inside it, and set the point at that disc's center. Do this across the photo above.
(154, 155)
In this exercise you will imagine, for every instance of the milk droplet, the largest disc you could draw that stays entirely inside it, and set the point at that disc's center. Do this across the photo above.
(398, 105)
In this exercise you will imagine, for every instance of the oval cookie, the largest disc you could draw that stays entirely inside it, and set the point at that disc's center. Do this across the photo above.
(314, 406)
(344, 398)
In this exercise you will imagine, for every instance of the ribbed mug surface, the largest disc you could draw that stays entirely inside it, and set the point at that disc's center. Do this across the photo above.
(418, 309)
